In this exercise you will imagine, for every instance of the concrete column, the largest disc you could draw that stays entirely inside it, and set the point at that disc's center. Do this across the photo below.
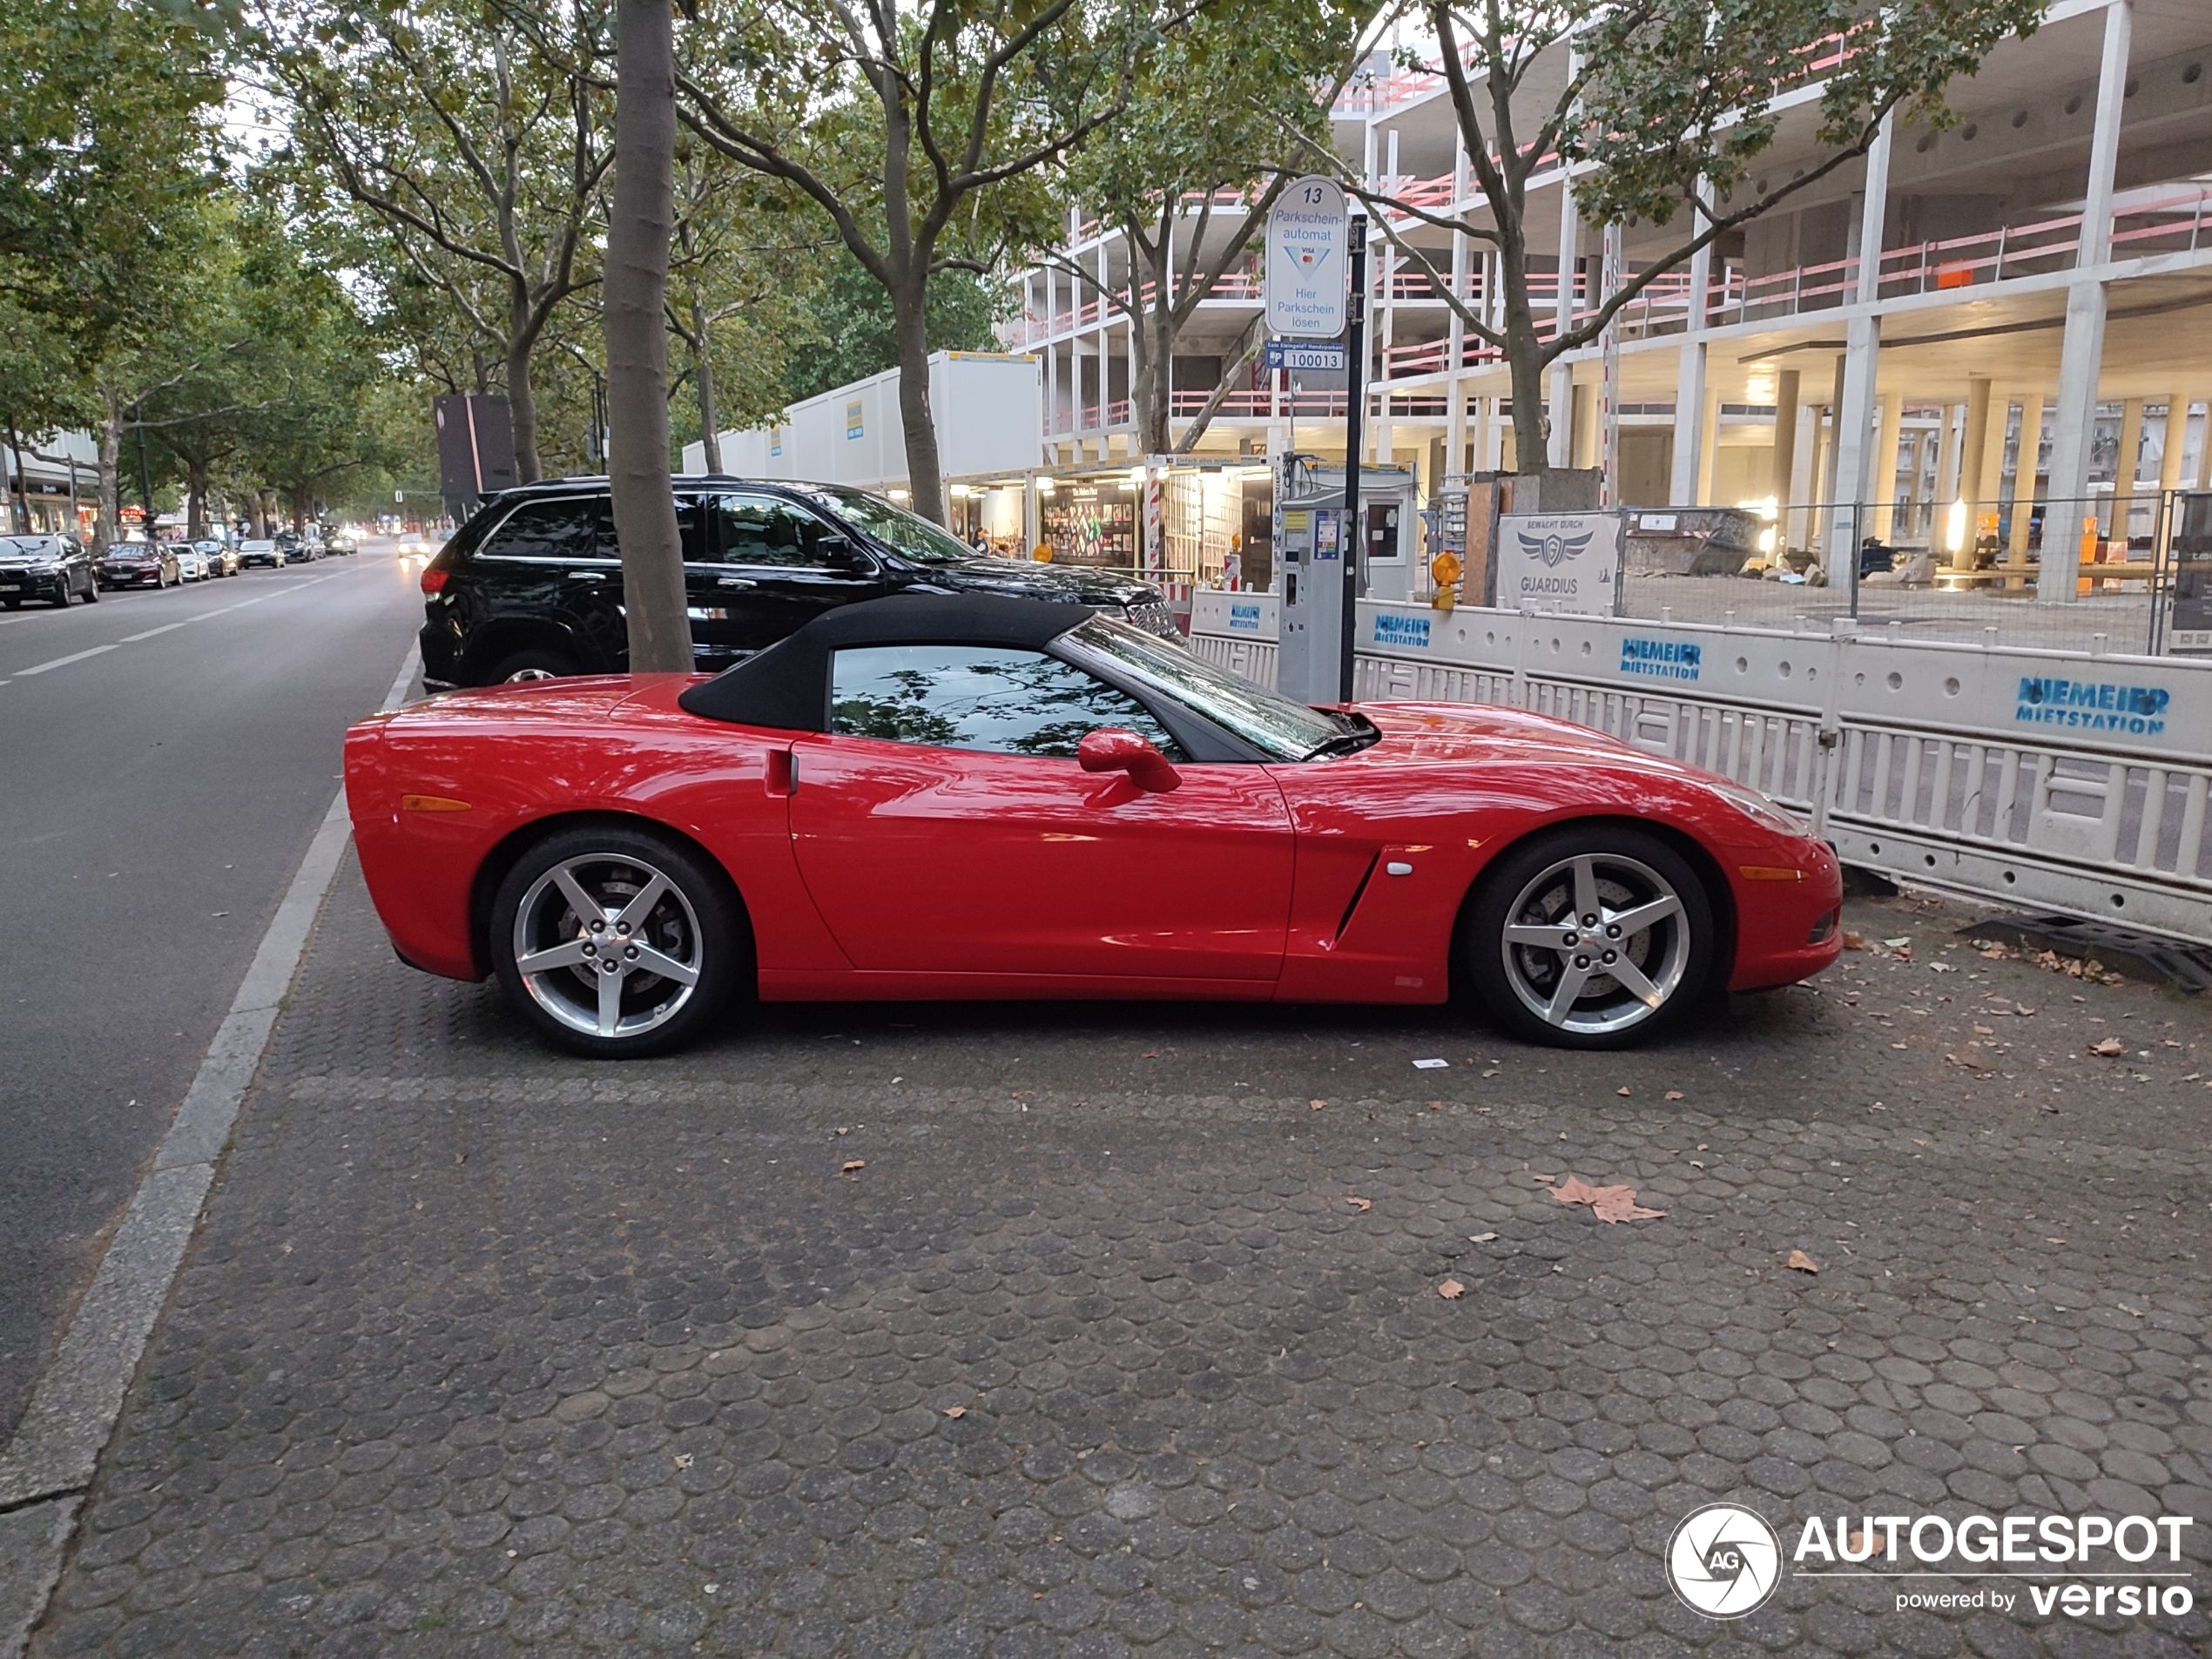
(2127, 463)
(1882, 486)
(2203, 458)
(1455, 329)
(2031, 441)
(1854, 423)
(1799, 485)
(1559, 408)
(1685, 481)
(1455, 435)
(1947, 478)
(2082, 354)
(1873, 214)
(2171, 438)
(1782, 471)
(1586, 435)
(1708, 446)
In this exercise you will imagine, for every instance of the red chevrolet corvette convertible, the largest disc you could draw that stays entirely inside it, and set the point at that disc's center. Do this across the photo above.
(927, 797)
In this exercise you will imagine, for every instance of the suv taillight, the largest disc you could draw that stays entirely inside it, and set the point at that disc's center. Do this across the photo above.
(432, 580)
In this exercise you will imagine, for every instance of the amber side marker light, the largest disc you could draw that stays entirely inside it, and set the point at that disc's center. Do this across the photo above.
(1768, 873)
(432, 804)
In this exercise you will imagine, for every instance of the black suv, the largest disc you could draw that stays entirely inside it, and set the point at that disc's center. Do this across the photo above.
(530, 588)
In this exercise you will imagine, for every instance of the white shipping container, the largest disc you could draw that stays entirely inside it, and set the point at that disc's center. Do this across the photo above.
(990, 411)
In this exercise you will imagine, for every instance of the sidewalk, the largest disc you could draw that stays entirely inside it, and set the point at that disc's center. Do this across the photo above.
(1124, 1335)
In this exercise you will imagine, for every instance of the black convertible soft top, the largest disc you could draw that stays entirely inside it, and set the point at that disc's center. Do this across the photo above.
(787, 686)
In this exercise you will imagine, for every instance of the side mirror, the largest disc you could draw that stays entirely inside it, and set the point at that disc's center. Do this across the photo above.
(1116, 749)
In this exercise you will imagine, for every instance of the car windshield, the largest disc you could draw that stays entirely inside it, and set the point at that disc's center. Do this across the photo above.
(19, 546)
(1270, 723)
(128, 549)
(905, 533)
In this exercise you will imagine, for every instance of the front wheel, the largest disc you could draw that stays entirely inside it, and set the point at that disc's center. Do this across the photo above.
(92, 593)
(526, 665)
(1594, 936)
(615, 943)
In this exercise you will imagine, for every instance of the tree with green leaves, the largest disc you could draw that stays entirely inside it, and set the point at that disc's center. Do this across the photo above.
(921, 131)
(475, 139)
(1214, 132)
(1662, 109)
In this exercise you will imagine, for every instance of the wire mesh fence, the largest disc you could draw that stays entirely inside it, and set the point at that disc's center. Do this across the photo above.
(1922, 569)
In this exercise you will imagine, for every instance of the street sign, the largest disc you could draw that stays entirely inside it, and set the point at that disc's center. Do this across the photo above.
(1559, 562)
(1307, 246)
(1297, 353)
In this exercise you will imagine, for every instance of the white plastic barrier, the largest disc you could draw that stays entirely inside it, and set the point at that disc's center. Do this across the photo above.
(2047, 779)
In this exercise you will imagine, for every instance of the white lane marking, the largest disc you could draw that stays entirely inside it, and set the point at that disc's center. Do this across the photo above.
(74, 1407)
(63, 662)
(166, 628)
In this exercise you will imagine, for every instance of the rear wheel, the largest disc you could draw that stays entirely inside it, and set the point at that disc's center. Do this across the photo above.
(1595, 936)
(540, 664)
(92, 593)
(615, 943)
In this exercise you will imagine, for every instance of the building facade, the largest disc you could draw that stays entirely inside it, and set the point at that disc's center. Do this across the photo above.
(1977, 340)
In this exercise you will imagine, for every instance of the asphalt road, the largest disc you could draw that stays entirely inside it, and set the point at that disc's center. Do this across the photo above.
(167, 757)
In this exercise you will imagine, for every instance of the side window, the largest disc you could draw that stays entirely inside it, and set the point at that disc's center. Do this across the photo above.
(759, 529)
(555, 530)
(970, 696)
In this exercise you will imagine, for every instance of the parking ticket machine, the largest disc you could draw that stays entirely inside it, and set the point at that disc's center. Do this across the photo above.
(1308, 559)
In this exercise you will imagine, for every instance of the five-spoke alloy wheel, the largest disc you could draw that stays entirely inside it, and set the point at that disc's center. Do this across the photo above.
(614, 942)
(1591, 937)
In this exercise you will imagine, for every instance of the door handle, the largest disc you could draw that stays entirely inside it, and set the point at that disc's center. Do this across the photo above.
(735, 581)
(586, 575)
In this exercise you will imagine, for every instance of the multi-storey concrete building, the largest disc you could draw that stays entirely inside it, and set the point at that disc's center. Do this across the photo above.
(2016, 308)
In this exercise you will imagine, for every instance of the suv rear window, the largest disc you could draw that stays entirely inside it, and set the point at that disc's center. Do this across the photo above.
(579, 527)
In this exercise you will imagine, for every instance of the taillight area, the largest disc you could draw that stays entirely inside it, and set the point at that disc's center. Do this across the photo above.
(434, 581)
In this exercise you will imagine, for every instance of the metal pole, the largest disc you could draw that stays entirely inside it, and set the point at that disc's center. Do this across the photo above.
(1352, 541)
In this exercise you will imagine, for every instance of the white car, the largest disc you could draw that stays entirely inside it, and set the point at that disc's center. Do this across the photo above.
(191, 564)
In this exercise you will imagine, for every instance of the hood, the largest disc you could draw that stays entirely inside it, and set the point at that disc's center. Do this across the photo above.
(586, 698)
(1022, 579)
(1439, 734)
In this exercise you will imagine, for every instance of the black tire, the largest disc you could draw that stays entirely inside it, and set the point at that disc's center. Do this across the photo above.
(698, 922)
(1630, 868)
(12, 604)
(540, 664)
(92, 593)
(60, 601)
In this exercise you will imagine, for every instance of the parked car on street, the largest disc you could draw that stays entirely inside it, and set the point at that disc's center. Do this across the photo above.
(530, 588)
(260, 550)
(222, 558)
(294, 545)
(341, 543)
(54, 568)
(137, 564)
(191, 564)
(958, 796)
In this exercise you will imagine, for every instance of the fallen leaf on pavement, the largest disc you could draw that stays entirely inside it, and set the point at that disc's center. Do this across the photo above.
(2109, 1048)
(1315, 1105)
(1674, 1093)
(851, 1166)
(1622, 1091)
(1363, 1205)
(1853, 942)
(1971, 1062)
(956, 1411)
(1801, 1262)
(1480, 1238)
(1609, 1204)
(1450, 1289)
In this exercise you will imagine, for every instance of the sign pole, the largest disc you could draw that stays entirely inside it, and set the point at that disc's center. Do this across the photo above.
(1352, 540)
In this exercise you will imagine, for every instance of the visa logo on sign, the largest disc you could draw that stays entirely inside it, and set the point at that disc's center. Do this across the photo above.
(1245, 616)
(1410, 631)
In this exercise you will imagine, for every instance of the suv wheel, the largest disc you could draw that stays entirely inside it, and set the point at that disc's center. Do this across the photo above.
(536, 664)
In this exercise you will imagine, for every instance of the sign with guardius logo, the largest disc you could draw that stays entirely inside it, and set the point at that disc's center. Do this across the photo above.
(1559, 562)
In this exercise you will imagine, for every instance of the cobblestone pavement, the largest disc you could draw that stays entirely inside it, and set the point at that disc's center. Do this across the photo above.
(1091, 1331)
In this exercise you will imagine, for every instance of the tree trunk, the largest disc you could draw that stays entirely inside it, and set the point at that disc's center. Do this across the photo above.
(111, 519)
(640, 228)
(702, 343)
(910, 326)
(1525, 362)
(196, 499)
(521, 399)
(264, 513)
(20, 495)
